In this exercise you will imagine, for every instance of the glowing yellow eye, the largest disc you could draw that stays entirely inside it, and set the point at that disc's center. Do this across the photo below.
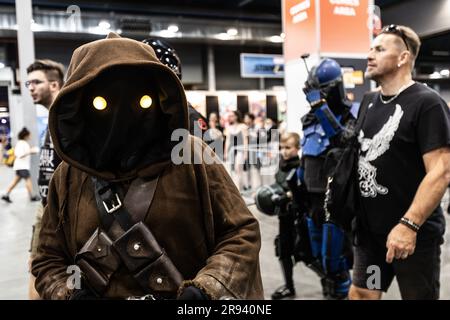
(146, 102)
(99, 103)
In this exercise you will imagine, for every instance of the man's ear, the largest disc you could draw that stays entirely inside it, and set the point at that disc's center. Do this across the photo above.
(405, 57)
(54, 86)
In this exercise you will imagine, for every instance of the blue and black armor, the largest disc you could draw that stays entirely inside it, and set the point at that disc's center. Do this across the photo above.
(323, 129)
(305, 235)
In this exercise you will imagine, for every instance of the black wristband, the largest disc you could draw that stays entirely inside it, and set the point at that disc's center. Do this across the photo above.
(410, 224)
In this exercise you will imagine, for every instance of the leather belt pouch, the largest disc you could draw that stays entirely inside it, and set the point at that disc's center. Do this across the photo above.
(160, 276)
(143, 256)
(98, 261)
(138, 247)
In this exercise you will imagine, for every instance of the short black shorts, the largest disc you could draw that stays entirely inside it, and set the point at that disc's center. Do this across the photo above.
(417, 276)
(23, 173)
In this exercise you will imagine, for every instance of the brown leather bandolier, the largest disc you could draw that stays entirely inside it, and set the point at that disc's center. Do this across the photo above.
(124, 239)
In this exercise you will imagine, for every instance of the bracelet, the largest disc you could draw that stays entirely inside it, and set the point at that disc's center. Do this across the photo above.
(410, 224)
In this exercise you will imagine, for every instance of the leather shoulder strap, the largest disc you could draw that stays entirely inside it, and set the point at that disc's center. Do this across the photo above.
(139, 198)
(126, 212)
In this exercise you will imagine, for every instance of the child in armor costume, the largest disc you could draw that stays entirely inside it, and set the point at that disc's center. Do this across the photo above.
(284, 242)
(277, 199)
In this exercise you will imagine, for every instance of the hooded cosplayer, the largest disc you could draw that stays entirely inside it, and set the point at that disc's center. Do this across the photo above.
(134, 222)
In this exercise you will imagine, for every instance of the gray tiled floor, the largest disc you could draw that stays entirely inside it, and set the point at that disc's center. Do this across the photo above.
(16, 224)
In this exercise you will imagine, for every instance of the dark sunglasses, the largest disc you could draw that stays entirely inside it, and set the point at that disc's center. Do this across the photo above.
(394, 29)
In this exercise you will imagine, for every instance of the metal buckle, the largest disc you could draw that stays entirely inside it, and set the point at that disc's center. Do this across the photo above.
(146, 297)
(114, 207)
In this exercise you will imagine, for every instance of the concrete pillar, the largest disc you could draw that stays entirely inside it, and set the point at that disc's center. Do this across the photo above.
(262, 84)
(25, 40)
(211, 70)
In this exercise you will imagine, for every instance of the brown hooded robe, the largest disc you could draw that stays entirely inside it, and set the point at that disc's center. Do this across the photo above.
(197, 214)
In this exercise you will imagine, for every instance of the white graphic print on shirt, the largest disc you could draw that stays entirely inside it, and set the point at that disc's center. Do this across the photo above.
(373, 148)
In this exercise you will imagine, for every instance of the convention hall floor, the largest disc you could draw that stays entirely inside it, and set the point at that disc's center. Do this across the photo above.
(16, 224)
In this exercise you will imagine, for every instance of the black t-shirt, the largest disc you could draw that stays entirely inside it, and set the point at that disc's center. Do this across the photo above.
(48, 162)
(394, 137)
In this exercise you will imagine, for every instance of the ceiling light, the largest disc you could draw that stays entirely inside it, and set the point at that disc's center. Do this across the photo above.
(2, 65)
(98, 30)
(223, 36)
(435, 75)
(104, 24)
(232, 32)
(36, 26)
(445, 72)
(173, 28)
(276, 39)
(167, 34)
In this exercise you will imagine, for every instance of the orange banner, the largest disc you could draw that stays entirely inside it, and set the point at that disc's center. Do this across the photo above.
(344, 26)
(299, 25)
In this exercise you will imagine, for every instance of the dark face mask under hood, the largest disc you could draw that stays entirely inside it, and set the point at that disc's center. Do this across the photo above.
(120, 121)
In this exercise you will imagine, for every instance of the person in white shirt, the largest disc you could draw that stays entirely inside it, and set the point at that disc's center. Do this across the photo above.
(22, 152)
(236, 147)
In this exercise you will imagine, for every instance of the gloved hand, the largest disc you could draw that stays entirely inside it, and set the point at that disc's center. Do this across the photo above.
(192, 293)
(313, 96)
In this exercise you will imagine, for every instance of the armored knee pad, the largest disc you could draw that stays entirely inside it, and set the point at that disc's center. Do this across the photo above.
(333, 258)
